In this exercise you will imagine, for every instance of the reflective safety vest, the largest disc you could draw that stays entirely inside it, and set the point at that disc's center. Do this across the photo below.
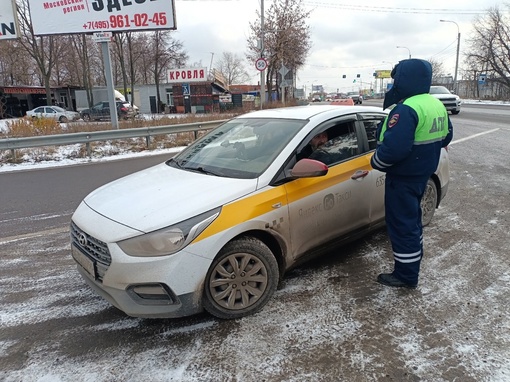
(432, 119)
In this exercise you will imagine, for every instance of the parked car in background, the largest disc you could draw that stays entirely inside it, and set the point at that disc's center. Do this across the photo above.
(356, 97)
(155, 245)
(101, 111)
(55, 112)
(450, 101)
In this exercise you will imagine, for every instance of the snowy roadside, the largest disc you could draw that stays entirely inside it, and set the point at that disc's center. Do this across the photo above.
(63, 155)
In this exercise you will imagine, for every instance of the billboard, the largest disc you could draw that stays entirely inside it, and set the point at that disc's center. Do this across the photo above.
(383, 74)
(8, 20)
(90, 16)
(186, 75)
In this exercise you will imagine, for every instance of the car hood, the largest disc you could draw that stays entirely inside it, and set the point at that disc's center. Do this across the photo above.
(444, 96)
(162, 195)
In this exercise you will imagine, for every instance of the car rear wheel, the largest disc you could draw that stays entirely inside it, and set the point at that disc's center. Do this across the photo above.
(241, 280)
(428, 203)
(86, 117)
(455, 112)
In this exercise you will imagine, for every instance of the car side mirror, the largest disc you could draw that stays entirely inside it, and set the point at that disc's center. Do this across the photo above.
(309, 168)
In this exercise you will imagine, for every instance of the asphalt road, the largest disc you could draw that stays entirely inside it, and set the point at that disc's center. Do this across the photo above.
(329, 321)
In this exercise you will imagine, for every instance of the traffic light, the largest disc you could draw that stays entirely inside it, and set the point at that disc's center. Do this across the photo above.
(344, 76)
(358, 75)
(354, 80)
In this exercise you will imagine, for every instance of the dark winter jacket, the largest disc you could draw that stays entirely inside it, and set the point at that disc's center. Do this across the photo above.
(411, 137)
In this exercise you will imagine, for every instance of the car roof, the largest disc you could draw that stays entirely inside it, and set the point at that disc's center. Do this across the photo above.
(309, 111)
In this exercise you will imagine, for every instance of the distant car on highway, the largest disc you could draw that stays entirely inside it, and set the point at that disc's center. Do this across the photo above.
(450, 101)
(101, 111)
(54, 112)
(356, 97)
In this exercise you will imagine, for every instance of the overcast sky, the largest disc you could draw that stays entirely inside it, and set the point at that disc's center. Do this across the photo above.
(348, 37)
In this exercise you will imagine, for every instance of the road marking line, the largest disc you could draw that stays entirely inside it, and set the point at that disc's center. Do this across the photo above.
(10, 239)
(473, 136)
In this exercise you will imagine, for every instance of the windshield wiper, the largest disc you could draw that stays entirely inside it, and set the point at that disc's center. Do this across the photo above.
(176, 163)
(202, 170)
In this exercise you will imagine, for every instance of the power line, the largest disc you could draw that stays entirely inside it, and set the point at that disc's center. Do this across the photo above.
(367, 8)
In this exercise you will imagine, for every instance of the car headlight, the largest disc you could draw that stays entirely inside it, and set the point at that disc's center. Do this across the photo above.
(168, 240)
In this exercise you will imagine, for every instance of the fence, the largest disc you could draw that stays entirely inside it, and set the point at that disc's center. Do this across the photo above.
(14, 144)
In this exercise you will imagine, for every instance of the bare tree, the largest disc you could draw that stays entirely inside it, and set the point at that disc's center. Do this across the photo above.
(82, 47)
(489, 49)
(42, 49)
(11, 72)
(286, 39)
(120, 42)
(437, 70)
(232, 68)
(165, 53)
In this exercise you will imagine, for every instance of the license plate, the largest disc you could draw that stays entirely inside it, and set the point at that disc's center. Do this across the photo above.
(83, 260)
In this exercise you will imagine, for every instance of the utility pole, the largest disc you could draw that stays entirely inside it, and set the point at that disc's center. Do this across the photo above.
(210, 65)
(455, 90)
(262, 72)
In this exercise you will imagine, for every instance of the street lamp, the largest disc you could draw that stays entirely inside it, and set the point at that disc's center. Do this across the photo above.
(405, 47)
(455, 90)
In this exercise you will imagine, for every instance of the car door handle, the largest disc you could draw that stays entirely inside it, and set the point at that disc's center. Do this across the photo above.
(359, 174)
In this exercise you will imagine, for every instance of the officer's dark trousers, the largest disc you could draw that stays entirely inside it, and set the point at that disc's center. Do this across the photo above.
(403, 220)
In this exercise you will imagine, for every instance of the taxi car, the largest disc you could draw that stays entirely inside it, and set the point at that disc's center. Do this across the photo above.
(217, 226)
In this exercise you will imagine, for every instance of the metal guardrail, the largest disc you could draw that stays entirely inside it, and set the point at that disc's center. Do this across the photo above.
(105, 135)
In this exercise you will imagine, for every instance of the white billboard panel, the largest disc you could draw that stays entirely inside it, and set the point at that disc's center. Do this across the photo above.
(8, 20)
(89, 16)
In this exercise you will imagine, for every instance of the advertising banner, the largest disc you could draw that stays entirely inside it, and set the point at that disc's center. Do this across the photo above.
(383, 74)
(89, 16)
(8, 20)
(186, 75)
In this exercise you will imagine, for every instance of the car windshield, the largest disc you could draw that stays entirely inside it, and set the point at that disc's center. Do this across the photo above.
(240, 148)
(59, 109)
(439, 90)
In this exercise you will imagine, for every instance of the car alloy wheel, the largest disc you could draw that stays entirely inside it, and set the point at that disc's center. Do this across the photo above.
(428, 202)
(241, 279)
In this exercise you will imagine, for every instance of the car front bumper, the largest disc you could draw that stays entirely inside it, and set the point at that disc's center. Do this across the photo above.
(156, 287)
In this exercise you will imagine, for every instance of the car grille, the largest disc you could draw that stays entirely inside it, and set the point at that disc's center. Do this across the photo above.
(94, 249)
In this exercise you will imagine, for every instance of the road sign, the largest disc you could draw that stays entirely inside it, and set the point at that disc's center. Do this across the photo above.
(283, 71)
(261, 64)
(102, 36)
(482, 78)
(284, 83)
(185, 89)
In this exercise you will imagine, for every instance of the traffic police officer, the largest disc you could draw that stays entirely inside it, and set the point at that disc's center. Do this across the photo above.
(408, 151)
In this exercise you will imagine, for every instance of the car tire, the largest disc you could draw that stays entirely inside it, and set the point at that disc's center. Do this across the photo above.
(86, 117)
(455, 112)
(428, 203)
(241, 280)
(63, 119)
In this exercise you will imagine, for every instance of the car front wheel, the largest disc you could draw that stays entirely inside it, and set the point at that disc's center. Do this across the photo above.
(241, 280)
(428, 203)
(63, 119)
(86, 117)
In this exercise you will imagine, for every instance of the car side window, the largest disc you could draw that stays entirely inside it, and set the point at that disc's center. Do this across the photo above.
(371, 129)
(340, 145)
